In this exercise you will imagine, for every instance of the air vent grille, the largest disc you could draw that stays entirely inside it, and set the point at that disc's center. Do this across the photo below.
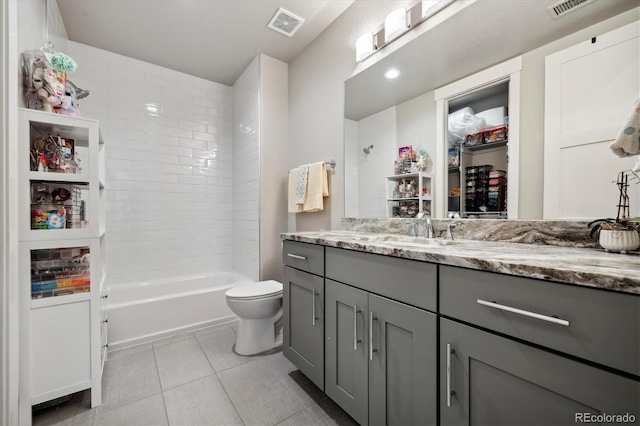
(285, 22)
(562, 8)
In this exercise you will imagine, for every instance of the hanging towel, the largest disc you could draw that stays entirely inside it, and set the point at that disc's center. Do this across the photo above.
(301, 184)
(628, 141)
(317, 187)
(293, 184)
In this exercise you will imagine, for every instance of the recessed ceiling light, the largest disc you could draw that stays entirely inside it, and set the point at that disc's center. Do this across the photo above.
(392, 73)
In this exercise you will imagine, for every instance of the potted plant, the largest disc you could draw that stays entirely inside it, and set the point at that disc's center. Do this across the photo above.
(619, 234)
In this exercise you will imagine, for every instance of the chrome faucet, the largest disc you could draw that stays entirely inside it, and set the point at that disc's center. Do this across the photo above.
(428, 232)
(448, 235)
(416, 224)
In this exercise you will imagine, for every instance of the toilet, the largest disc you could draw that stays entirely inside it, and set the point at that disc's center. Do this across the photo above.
(259, 306)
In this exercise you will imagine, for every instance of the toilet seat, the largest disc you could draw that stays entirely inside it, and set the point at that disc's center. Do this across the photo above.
(255, 291)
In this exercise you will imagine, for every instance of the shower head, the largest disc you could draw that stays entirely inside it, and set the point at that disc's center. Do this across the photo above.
(367, 149)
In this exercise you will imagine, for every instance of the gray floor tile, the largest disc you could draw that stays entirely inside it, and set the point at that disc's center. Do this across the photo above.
(217, 346)
(181, 363)
(77, 411)
(315, 416)
(172, 339)
(297, 383)
(212, 329)
(258, 395)
(148, 411)
(127, 352)
(202, 402)
(129, 375)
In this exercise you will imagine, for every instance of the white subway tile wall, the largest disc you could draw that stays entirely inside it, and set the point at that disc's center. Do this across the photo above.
(169, 177)
(246, 172)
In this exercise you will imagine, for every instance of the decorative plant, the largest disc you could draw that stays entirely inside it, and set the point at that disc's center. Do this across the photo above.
(622, 222)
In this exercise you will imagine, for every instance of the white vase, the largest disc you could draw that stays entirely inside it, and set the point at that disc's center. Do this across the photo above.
(619, 241)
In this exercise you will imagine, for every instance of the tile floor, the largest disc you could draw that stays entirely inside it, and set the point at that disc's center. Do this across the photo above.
(196, 379)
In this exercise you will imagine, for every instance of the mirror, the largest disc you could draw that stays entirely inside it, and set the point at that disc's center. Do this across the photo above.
(382, 116)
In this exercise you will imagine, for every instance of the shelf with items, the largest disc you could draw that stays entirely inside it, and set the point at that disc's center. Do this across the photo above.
(62, 254)
(409, 194)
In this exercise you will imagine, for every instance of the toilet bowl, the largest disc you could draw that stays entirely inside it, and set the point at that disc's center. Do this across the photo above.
(259, 307)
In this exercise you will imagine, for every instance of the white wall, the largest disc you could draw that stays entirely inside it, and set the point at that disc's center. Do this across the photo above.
(351, 179)
(274, 140)
(416, 125)
(316, 103)
(378, 130)
(246, 171)
(169, 163)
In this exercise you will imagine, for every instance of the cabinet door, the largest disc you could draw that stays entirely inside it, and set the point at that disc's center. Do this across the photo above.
(60, 350)
(346, 374)
(402, 366)
(303, 304)
(489, 379)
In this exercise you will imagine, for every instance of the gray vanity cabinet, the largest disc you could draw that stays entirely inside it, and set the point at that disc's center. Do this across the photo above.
(380, 354)
(402, 364)
(346, 349)
(303, 340)
(303, 305)
(562, 351)
(489, 379)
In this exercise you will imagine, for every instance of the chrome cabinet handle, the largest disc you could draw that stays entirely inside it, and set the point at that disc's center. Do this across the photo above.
(313, 307)
(295, 256)
(529, 314)
(371, 350)
(355, 327)
(449, 391)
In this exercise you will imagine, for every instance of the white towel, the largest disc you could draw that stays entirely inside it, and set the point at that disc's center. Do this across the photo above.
(301, 184)
(628, 141)
(293, 184)
(317, 187)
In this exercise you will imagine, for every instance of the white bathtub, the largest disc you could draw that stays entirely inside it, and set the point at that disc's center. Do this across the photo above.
(145, 311)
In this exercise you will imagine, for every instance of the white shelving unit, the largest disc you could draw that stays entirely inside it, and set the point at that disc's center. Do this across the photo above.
(407, 205)
(62, 268)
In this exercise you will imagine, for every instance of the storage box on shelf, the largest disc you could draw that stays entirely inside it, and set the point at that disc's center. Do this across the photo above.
(62, 252)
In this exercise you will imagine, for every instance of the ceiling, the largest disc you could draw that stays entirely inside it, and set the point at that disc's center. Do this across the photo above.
(481, 34)
(212, 39)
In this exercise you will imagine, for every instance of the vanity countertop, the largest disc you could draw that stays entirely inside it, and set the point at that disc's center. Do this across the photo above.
(581, 266)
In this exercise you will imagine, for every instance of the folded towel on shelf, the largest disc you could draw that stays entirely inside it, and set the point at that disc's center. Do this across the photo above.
(293, 185)
(301, 184)
(628, 141)
(317, 187)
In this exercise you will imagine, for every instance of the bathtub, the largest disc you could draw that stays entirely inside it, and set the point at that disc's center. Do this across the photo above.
(144, 311)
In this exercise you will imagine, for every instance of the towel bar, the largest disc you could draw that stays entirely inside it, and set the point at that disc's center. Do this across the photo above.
(331, 163)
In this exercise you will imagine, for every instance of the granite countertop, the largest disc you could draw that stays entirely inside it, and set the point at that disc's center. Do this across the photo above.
(581, 266)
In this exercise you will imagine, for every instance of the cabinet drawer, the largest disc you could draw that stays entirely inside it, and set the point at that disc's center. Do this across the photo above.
(596, 325)
(408, 281)
(304, 256)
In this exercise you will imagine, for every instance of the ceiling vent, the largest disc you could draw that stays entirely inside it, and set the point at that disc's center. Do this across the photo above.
(285, 22)
(567, 6)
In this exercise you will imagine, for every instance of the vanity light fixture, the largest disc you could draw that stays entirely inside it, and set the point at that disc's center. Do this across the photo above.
(431, 7)
(395, 24)
(392, 73)
(364, 46)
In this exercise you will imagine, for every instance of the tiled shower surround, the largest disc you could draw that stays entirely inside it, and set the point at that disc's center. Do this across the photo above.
(169, 183)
